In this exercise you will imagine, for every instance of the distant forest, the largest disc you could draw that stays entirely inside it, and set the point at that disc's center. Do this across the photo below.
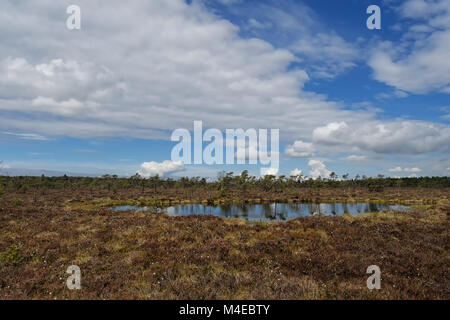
(225, 181)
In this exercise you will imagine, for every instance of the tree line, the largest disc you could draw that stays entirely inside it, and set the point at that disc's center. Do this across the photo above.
(225, 182)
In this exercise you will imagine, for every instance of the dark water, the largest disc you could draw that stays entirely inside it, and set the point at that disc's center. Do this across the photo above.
(273, 211)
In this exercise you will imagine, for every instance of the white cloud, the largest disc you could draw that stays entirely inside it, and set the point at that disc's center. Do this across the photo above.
(420, 63)
(318, 169)
(396, 137)
(300, 149)
(412, 169)
(400, 169)
(157, 67)
(425, 9)
(58, 78)
(4, 166)
(292, 24)
(269, 171)
(253, 23)
(389, 95)
(161, 65)
(327, 54)
(152, 168)
(295, 172)
(354, 157)
(68, 107)
(446, 111)
(424, 70)
(27, 136)
(247, 152)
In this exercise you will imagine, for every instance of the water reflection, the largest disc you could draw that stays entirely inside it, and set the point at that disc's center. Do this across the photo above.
(273, 211)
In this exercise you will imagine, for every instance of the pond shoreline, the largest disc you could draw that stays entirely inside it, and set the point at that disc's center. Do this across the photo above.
(267, 211)
(161, 202)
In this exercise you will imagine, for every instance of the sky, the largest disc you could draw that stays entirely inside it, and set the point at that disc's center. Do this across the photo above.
(106, 98)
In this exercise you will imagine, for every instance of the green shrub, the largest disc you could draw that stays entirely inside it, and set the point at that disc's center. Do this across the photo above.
(23, 189)
(11, 255)
(18, 202)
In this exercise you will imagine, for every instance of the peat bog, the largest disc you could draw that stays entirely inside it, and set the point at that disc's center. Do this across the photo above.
(153, 255)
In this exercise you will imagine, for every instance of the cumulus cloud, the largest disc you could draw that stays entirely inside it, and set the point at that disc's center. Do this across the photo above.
(158, 66)
(420, 63)
(300, 149)
(328, 54)
(296, 172)
(152, 168)
(425, 70)
(201, 68)
(396, 137)
(318, 169)
(269, 171)
(60, 79)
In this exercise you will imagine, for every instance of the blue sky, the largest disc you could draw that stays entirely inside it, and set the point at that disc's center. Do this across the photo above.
(106, 98)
